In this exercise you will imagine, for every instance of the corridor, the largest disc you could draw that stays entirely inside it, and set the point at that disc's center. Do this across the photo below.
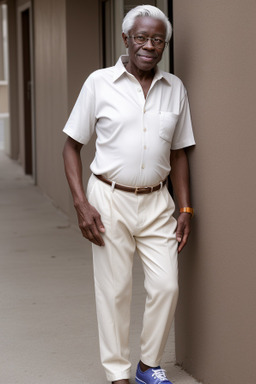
(48, 331)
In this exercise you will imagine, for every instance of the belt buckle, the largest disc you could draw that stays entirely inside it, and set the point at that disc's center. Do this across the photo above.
(139, 190)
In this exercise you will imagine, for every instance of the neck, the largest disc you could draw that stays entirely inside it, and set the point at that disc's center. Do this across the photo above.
(141, 76)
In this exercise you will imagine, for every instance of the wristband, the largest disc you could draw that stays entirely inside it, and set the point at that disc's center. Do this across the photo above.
(187, 210)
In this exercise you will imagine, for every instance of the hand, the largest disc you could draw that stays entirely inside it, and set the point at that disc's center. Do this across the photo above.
(90, 223)
(183, 230)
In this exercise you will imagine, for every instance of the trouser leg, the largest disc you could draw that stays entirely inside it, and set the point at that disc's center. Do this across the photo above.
(113, 297)
(113, 284)
(157, 248)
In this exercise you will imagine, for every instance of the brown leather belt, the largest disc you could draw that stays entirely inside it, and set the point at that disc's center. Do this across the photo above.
(136, 190)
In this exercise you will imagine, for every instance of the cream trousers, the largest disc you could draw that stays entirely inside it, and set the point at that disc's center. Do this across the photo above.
(133, 222)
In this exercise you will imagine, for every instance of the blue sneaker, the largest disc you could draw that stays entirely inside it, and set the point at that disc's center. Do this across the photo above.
(151, 376)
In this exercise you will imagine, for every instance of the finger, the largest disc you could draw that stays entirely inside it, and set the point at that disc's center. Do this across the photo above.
(179, 233)
(99, 224)
(183, 241)
(95, 235)
(91, 227)
(181, 245)
(88, 234)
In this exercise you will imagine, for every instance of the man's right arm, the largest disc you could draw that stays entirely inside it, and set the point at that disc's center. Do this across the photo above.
(89, 219)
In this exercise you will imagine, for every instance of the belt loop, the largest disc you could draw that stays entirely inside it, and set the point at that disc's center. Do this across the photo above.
(113, 186)
(161, 185)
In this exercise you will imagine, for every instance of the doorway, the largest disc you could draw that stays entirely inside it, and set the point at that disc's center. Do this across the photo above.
(26, 94)
(26, 54)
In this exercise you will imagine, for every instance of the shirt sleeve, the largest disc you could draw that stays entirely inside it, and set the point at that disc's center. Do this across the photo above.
(81, 122)
(183, 135)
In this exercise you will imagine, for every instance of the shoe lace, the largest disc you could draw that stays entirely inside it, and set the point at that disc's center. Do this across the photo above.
(159, 374)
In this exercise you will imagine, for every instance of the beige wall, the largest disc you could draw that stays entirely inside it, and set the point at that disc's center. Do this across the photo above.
(50, 95)
(62, 62)
(4, 108)
(83, 57)
(215, 55)
(83, 43)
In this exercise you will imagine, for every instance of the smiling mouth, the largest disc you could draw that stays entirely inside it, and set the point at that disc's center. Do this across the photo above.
(147, 58)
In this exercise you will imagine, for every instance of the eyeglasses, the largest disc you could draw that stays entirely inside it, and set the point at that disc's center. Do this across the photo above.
(142, 40)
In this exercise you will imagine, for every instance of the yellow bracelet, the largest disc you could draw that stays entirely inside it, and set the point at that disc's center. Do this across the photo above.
(187, 210)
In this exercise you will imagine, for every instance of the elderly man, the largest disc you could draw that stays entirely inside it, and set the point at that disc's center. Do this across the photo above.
(142, 122)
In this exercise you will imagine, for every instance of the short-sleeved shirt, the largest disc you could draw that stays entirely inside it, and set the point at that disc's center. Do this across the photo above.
(134, 134)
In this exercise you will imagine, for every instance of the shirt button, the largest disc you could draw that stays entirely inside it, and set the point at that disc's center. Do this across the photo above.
(143, 166)
(144, 129)
(139, 89)
(145, 147)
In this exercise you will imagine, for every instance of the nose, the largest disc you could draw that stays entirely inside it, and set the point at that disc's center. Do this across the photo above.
(148, 44)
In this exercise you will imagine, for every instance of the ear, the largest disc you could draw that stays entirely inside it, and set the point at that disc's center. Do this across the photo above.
(125, 39)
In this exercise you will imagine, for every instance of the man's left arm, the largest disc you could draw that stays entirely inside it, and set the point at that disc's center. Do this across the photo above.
(180, 182)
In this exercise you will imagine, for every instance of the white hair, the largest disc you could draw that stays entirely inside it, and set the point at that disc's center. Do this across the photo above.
(146, 10)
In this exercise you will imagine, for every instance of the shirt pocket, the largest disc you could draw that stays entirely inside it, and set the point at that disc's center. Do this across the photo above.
(168, 121)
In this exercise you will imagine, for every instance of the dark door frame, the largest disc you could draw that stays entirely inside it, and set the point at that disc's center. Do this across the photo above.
(26, 82)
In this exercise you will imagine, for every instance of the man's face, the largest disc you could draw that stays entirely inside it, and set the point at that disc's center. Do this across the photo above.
(145, 57)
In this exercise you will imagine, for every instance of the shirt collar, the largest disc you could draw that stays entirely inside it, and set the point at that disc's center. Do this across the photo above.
(119, 70)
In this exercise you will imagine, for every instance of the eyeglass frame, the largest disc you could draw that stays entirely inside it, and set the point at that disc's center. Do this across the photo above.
(148, 38)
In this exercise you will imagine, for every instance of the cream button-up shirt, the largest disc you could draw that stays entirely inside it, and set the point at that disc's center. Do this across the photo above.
(134, 134)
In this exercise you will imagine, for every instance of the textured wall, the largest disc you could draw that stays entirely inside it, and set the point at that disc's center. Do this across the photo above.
(215, 55)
